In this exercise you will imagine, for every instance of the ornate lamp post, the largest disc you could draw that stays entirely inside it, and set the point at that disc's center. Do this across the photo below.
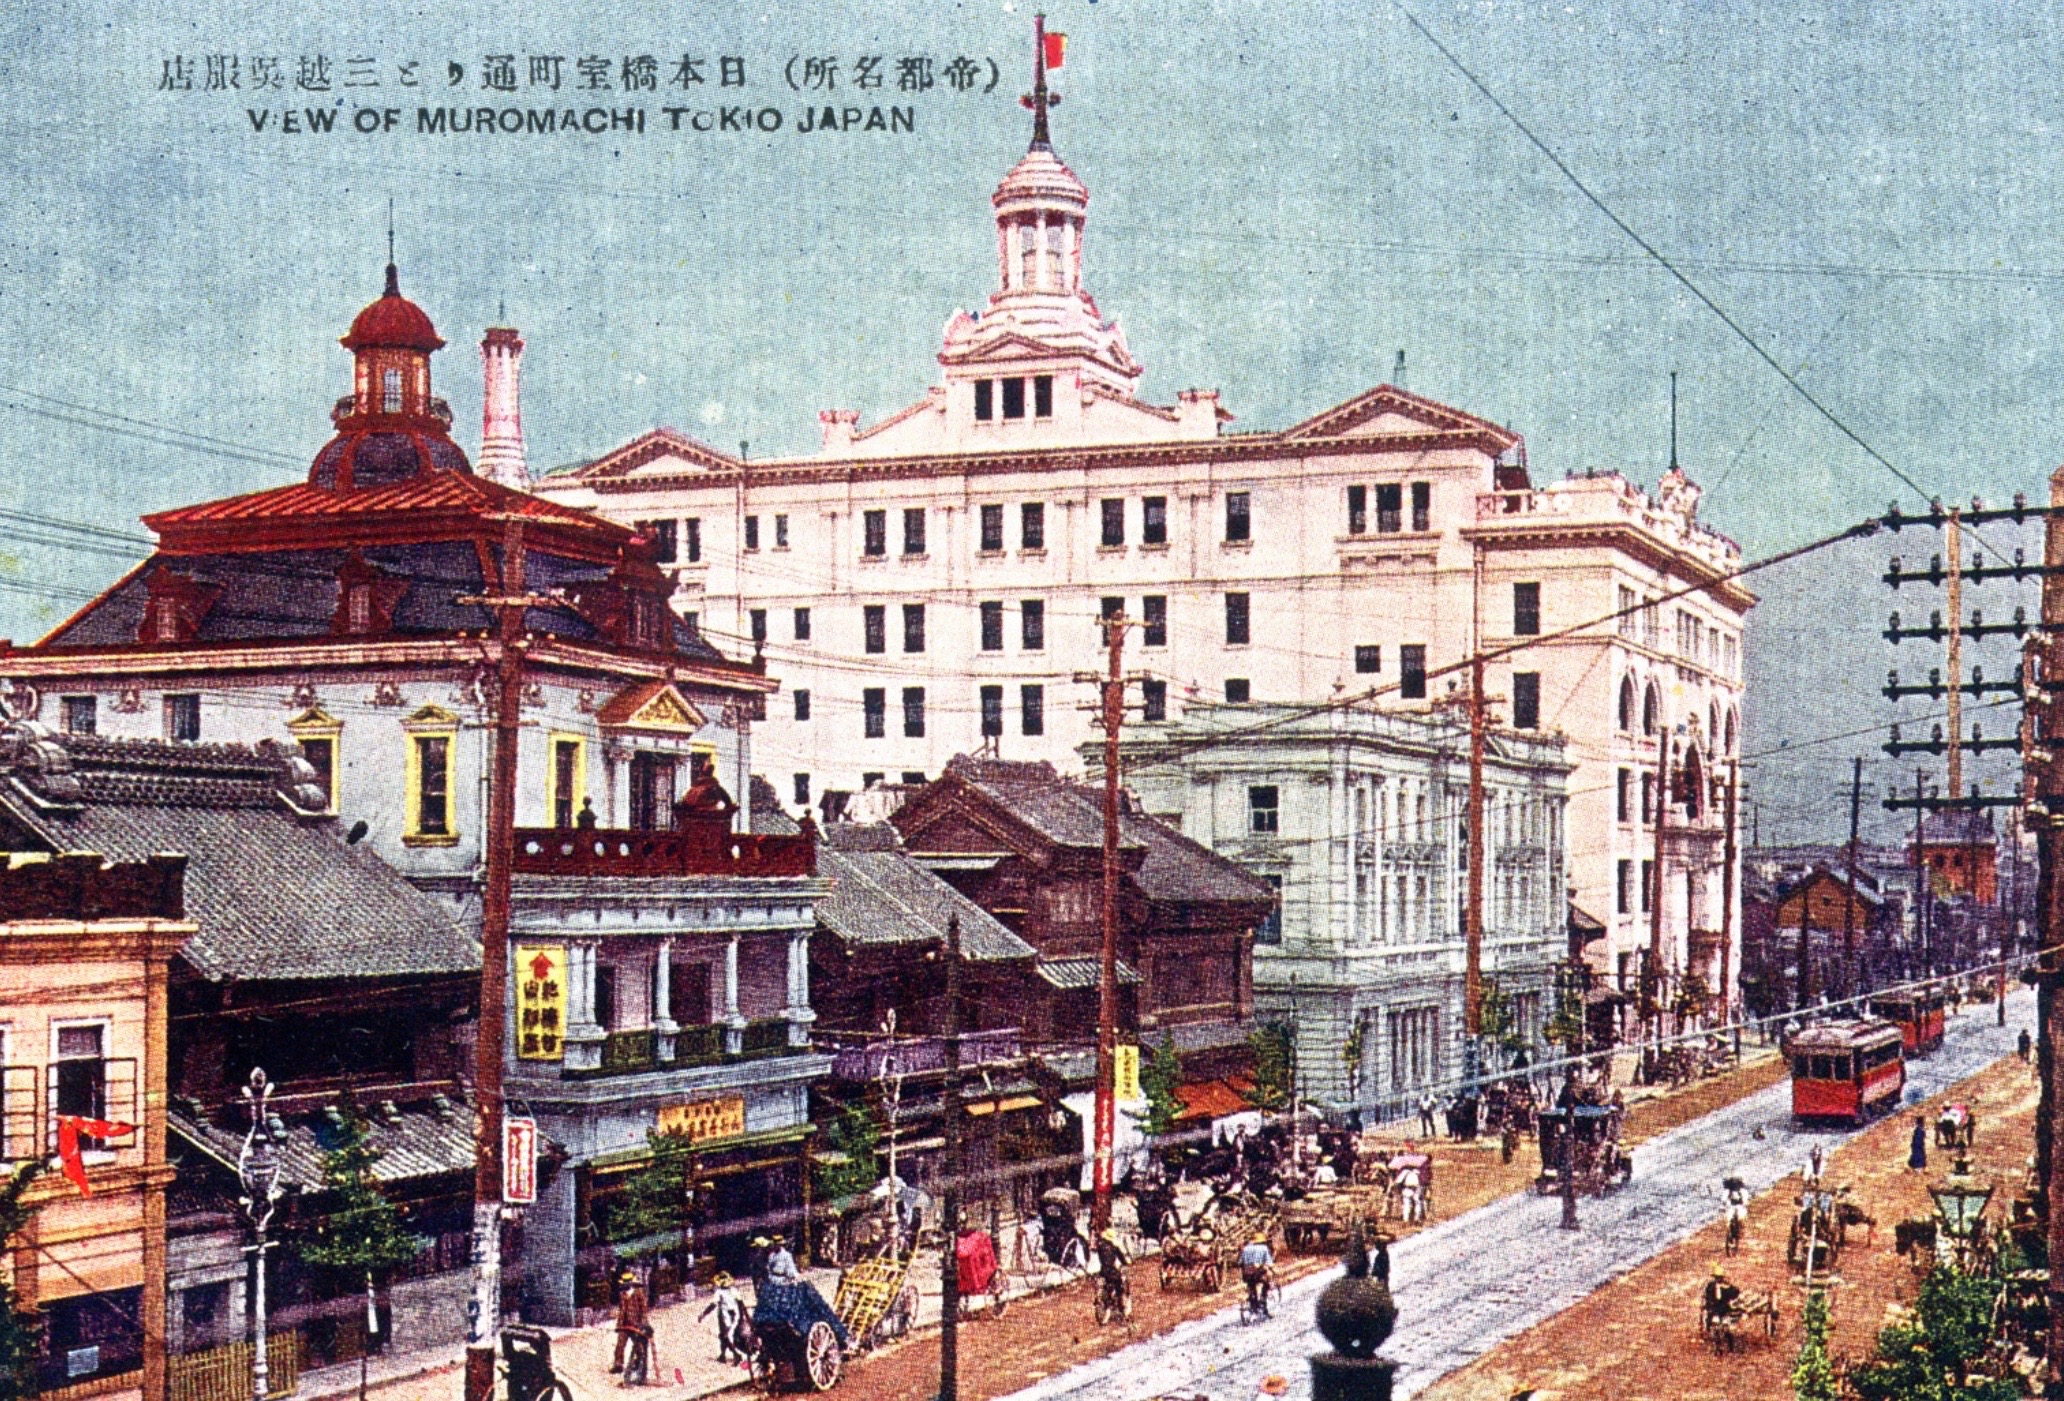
(1960, 1200)
(258, 1174)
(1569, 991)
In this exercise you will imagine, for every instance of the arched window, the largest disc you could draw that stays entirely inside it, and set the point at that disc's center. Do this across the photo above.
(1627, 704)
(1713, 723)
(1691, 783)
(1651, 711)
(1730, 731)
(390, 391)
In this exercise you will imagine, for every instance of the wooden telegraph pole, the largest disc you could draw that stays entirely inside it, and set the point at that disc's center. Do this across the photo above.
(1472, 971)
(1657, 885)
(2047, 815)
(1728, 856)
(949, 1278)
(1849, 948)
(1107, 984)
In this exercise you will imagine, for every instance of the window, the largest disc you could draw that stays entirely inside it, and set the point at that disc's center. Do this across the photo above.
(985, 400)
(1626, 895)
(1270, 930)
(1526, 610)
(752, 532)
(390, 391)
(358, 608)
(1368, 659)
(1154, 521)
(1042, 396)
(874, 529)
(1422, 506)
(1239, 523)
(992, 711)
(871, 780)
(1154, 614)
(1107, 609)
(802, 625)
(321, 753)
(652, 792)
(913, 778)
(992, 529)
(1647, 797)
(1032, 709)
(1014, 397)
(802, 790)
(1624, 785)
(992, 625)
(183, 717)
(1390, 508)
(1154, 701)
(1237, 691)
(1647, 884)
(874, 625)
(566, 779)
(1626, 716)
(605, 995)
(1236, 620)
(913, 712)
(1526, 700)
(874, 712)
(81, 715)
(802, 704)
(913, 627)
(664, 537)
(1032, 625)
(914, 530)
(756, 619)
(1651, 711)
(692, 620)
(781, 532)
(694, 538)
(1626, 611)
(1114, 521)
(1411, 660)
(1357, 510)
(1032, 526)
(430, 786)
(1261, 807)
(81, 1072)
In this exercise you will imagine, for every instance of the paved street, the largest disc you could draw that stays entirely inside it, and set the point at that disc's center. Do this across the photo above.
(1473, 1281)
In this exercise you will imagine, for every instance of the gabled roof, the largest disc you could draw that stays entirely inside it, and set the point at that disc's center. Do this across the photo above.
(1384, 399)
(648, 447)
(276, 891)
(416, 1142)
(650, 705)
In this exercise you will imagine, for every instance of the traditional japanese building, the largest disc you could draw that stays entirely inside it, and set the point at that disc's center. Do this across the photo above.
(927, 584)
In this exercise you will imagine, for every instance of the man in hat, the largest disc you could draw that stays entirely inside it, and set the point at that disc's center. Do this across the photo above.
(732, 1342)
(633, 1328)
(1256, 1263)
(781, 1266)
(1720, 1294)
(760, 1247)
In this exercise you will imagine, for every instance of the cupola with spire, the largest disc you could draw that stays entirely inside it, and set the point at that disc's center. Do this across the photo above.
(391, 426)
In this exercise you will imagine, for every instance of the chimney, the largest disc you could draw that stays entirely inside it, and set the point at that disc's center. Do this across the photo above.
(1199, 413)
(838, 428)
(1397, 371)
(501, 411)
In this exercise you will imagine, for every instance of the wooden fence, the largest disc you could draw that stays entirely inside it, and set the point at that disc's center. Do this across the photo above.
(224, 1373)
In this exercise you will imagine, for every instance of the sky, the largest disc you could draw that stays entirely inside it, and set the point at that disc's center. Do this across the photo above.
(1283, 196)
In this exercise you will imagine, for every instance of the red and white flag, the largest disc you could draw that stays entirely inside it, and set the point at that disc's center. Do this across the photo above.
(1056, 49)
(69, 1127)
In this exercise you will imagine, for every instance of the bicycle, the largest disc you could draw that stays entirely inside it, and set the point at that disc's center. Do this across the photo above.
(1113, 1300)
(1258, 1304)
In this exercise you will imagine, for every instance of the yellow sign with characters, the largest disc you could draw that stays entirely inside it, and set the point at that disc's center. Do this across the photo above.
(540, 1002)
(1125, 1085)
(701, 1120)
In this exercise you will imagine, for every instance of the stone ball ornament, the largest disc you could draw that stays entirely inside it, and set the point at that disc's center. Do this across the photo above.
(1355, 1312)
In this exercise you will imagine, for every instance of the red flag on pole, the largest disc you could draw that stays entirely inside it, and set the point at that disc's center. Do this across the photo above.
(1056, 49)
(69, 1127)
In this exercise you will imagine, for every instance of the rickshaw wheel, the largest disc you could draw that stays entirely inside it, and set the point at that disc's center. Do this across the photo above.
(821, 1356)
(1214, 1277)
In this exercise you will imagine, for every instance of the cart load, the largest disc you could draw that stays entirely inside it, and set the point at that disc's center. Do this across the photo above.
(798, 1340)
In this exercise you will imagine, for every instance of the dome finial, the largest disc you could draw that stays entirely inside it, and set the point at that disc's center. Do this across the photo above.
(393, 275)
(1048, 51)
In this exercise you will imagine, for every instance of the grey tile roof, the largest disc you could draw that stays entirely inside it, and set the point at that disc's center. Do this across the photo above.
(1073, 974)
(416, 1143)
(277, 895)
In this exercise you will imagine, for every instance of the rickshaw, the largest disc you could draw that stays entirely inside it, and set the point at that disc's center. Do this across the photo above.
(1594, 1158)
(1193, 1255)
(1060, 1239)
(980, 1275)
(527, 1364)
(1420, 1164)
(1954, 1127)
(799, 1344)
(875, 1300)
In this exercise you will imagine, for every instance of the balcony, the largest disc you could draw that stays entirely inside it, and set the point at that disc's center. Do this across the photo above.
(699, 850)
(856, 1059)
(636, 1051)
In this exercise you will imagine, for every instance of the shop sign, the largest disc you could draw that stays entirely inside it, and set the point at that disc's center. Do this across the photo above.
(1125, 1074)
(519, 1160)
(700, 1120)
(540, 1002)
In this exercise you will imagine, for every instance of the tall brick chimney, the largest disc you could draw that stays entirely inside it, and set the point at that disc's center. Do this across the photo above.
(501, 429)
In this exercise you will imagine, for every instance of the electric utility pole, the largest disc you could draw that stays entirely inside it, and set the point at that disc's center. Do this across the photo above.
(1849, 946)
(1112, 718)
(949, 1274)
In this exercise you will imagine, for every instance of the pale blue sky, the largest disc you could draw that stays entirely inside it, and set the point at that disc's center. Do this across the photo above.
(1283, 195)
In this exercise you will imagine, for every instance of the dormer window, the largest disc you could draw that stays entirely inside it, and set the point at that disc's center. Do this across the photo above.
(165, 620)
(390, 391)
(358, 608)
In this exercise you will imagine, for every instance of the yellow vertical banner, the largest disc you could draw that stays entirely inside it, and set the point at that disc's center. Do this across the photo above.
(540, 1002)
(1125, 1074)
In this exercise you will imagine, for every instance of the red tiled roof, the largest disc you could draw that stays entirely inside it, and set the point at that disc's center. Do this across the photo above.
(1213, 1099)
(425, 491)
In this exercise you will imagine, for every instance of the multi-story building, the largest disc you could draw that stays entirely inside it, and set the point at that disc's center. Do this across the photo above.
(1359, 818)
(931, 584)
(85, 945)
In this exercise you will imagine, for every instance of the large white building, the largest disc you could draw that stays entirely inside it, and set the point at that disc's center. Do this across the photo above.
(930, 584)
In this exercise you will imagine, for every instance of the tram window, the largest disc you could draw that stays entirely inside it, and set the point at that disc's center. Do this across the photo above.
(1802, 1067)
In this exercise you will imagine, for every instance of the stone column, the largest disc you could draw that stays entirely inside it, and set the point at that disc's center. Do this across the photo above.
(584, 1035)
(663, 1025)
(1043, 278)
(734, 1023)
(799, 1013)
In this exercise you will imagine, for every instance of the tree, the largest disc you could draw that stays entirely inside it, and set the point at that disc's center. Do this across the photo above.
(1813, 1378)
(1927, 1355)
(1158, 1079)
(851, 1169)
(361, 1235)
(1270, 1043)
(1500, 1027)
(655, 1197)
(19, 1329)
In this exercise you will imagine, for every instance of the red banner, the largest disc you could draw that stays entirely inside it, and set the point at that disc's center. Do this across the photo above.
(69, 1127)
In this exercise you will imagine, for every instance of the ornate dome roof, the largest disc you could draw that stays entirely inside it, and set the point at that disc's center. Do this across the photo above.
(358, 458)
(393, 322)
(1041, 178)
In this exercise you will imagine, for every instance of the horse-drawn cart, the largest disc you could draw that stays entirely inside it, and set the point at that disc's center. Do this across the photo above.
(1194, 1256)
(799, 1343)
(876, 1301)
(1310, 1222)
(1583, 1140)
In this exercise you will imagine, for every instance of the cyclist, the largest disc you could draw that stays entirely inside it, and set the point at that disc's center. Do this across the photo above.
(1737, 1210)
(1111, 1263)
(1257, 1265)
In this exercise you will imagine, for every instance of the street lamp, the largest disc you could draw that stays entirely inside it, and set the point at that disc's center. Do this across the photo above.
(1569, 991)
(258, 1174)
(1960, 1200)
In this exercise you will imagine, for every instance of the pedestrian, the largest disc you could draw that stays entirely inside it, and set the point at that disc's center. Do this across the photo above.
(781, 1266)
(633, 1329)
(2024, 1046)
(730, 1311)
(1379, 1260)
(1426, 1115)
(1917, 1155)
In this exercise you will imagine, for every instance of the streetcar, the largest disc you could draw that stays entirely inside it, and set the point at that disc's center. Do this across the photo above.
(1918, 1013)
(1846, 1071)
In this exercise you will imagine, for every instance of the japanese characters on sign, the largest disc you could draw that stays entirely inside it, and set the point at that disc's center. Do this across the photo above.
(540, 1002)
(519, 1159)
(701, 1120)
(1125, 1074)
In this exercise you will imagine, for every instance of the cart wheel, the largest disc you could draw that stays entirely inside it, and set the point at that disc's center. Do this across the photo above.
(1165, 1275)
(821, 1356)
(1214, 1277)
(763, 1372)
(556, 1390)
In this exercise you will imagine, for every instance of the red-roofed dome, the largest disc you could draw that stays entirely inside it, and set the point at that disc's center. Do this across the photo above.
(393, 323)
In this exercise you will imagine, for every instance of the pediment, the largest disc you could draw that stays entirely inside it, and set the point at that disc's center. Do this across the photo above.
(1005, 348)
(661, 452)
(1388, 411)
(653, 707)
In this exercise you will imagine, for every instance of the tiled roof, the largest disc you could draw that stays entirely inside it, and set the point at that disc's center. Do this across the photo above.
(277, 895)
(416, 1142)
(423, 491)
(1074, 974)
(1960, 827)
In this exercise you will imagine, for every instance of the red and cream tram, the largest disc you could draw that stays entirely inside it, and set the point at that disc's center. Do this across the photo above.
(1918, 1011)
(1850, 1071)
